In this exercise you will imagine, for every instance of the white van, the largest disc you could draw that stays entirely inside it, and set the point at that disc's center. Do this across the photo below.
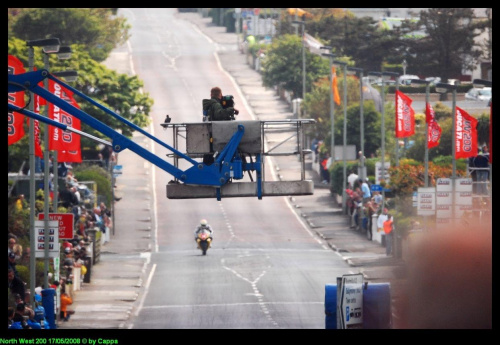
(405, 79)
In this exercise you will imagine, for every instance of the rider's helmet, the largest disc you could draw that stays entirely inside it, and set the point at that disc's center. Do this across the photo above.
(203, 222)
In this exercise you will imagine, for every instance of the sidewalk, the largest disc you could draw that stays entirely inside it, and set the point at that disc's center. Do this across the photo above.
(108, 300)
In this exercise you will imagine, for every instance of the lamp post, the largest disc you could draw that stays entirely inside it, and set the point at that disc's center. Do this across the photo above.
(303, 24)
(426, 160)
(443, 89)
(49, 45)
(404, 65)
(332, 104)
(344, 197)
(384, 76)
(63, 53)
(359, 73)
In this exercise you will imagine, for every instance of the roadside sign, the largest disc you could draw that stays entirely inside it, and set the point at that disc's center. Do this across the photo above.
(426, 201)
(117, 170)
(53, 236)
(376, 188)
(65, 223)
(351, 301)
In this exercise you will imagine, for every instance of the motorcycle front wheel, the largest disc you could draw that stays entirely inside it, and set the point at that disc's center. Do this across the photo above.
(204, 247)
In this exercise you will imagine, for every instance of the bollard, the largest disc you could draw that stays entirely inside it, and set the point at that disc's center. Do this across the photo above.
(48, 303)
(376, 306)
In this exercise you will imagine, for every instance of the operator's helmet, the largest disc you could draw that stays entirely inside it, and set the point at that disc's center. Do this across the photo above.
(203, 222)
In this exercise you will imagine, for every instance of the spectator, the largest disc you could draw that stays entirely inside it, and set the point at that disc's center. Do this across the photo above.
(68, 262)
(388, 230)
(106, 154)
(482, 169)
(71, 180)
(352, 178)
(325, 165)
(11, 313)
(104, 209)
(12, 243)
(365, 188)
(20, 202)
(16, 285)
(381, 219)
(19, 315)
(12, 263)
(65, 301)
(377, 197)
(39, 310)
(357, 203)
(75, 191)
(25, 258)
(371, 209)
(67, 197)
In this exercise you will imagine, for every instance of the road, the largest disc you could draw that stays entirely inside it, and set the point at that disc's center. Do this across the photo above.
(266, 270)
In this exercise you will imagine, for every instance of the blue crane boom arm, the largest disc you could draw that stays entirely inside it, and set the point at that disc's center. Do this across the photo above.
(199, 174)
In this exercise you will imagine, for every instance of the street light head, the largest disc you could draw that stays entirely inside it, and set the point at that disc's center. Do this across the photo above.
(49, 45)
(329, 55)
(443, 87)
(354, 71)
(480, 83)
(389, 75)
(339, 63)
(419, 81)
(69, 76)
(64, 53)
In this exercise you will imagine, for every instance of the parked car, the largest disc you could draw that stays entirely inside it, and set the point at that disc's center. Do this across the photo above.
(476, 94)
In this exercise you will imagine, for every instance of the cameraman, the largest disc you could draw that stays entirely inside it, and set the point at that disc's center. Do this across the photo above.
(214, 109)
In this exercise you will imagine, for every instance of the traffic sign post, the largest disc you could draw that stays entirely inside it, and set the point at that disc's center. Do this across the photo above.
(40, 238)
(65, 223)
(350, 301)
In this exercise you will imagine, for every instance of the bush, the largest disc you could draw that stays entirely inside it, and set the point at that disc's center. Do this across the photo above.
(100, 176)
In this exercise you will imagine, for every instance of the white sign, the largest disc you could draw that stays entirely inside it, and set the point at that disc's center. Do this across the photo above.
(53, 238)
(426, 201)
(378, 172)
(351, 301)
(444, 185)
(464, 185)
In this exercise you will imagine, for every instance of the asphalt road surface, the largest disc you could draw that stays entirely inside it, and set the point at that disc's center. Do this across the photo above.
(265, 270)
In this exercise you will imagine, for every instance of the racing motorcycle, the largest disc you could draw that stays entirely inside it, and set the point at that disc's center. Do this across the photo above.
(204, 239)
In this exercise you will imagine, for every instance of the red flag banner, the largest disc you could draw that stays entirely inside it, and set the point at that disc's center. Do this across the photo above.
(465, 134)
(15, 120)
(38, 145)
(434, 130)
(65, 142)
(335, 89)
(405, 116)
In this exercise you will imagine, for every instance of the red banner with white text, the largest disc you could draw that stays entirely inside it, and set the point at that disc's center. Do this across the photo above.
(434, 130)
(465, 134)
(405, 116)
(15, 121)
(65, 142)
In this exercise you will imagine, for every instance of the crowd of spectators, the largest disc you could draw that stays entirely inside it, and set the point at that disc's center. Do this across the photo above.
(74, 253)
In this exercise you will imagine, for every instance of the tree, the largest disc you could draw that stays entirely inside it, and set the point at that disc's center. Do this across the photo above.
(118, 92)
(449, 45)
(97, 28)
(283, 65)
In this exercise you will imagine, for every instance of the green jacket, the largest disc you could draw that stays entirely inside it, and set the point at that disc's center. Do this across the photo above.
(215, 112)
